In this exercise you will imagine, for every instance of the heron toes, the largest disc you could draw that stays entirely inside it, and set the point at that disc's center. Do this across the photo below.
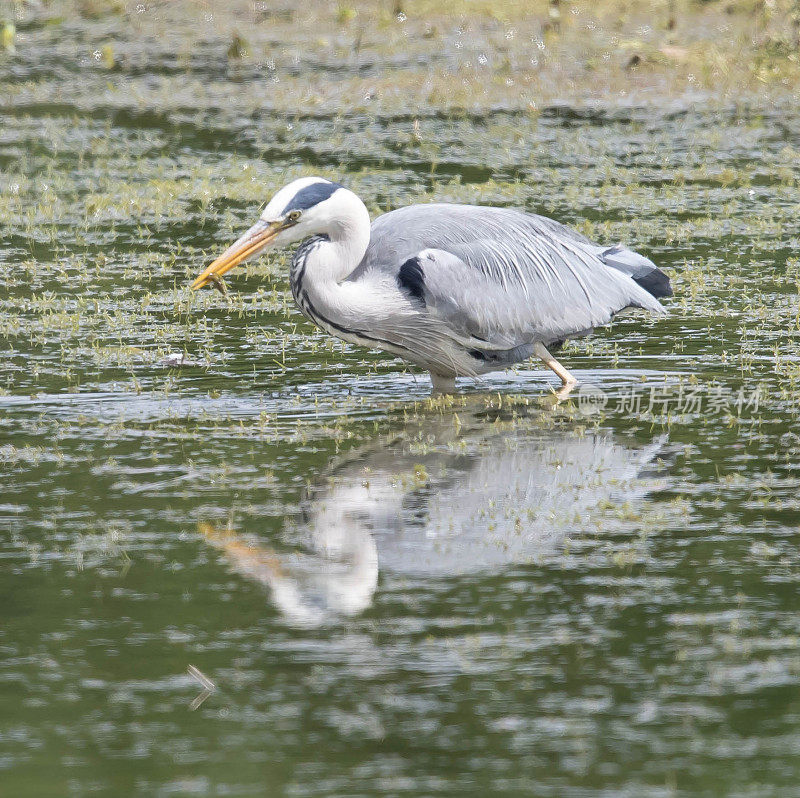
(566, 389)
(441, 385)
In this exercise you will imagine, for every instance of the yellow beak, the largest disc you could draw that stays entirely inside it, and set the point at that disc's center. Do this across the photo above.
(251, 243)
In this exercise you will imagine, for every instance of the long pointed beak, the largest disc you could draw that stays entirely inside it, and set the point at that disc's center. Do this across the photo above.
(250, 244)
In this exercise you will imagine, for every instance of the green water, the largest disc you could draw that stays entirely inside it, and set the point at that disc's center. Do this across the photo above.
(495, 596)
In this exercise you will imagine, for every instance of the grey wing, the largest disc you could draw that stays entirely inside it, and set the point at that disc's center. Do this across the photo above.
(500, 278)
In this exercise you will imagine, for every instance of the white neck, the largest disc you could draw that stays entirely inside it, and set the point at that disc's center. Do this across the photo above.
(349, 237)
(322, 263)
(347, 230)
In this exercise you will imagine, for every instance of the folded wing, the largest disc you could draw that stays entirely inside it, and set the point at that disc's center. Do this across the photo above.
(500, 278)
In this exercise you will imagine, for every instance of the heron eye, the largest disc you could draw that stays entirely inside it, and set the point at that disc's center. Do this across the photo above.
(293, 216)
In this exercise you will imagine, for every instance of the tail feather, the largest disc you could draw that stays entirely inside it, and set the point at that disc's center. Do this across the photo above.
(639, 268)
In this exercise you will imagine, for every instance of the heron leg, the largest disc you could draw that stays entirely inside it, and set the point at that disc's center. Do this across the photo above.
(566, 378)
(442, 384)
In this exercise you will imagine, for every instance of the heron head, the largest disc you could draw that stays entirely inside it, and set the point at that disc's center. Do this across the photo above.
(303, 208)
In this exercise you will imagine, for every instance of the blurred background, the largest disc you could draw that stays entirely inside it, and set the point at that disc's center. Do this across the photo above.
(394, 57)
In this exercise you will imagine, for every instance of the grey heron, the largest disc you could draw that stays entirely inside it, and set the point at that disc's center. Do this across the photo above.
(459, 290)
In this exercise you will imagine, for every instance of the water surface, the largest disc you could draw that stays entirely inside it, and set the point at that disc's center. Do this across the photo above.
(496, 596)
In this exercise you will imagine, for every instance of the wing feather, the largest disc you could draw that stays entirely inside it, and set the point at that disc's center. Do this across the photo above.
(499, 278)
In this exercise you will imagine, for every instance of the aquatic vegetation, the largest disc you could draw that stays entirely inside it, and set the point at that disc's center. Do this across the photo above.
(8, 35)
(147, 433)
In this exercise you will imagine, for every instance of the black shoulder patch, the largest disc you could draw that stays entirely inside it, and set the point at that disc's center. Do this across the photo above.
(655, 282)
(310, 196)
(412, 278)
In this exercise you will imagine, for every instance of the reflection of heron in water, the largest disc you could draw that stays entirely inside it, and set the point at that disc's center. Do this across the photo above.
(458, 503)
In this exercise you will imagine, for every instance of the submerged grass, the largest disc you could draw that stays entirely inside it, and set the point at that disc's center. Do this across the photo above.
(134, 144)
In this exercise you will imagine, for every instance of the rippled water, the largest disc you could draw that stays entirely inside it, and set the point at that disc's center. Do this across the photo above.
(495, 596)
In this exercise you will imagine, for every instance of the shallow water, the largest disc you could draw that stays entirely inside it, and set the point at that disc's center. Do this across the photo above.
(496, 595)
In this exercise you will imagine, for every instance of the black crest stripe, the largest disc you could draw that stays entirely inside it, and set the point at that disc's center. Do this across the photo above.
(309, 196)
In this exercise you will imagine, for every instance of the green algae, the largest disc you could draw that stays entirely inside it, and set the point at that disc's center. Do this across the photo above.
(134, 146)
